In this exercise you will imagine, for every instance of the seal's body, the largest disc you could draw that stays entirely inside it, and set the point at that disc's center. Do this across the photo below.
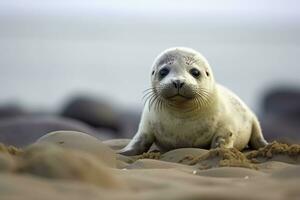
(185, 107)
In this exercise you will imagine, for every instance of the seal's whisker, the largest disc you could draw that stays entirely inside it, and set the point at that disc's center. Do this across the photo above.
(197, 102)
(156, 103)
(149, 99)
(162, 104)
(153, 100)
(147, 94)
(152, 95)
(151, 88)
(204, 92)
(159, 100)
(160, 107)
(194, 105)
(202, 100)
(204, 95)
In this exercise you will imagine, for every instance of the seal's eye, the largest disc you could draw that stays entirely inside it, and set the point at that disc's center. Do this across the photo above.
(195, 72)
(163, 72)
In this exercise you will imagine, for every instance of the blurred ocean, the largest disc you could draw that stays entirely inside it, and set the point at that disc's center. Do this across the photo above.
(49, 51)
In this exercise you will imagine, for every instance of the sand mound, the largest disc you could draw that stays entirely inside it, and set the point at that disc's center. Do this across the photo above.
(149, 155)
(9, 149)
(276, 151)
(117, 144)
(7, 162)
(183, 155)
(206, 159)
(220, 158)
(7, 157)
(81, 141)
(65, 168)
(52, 161)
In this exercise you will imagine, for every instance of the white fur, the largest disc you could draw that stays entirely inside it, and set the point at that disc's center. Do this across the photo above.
(225, 122)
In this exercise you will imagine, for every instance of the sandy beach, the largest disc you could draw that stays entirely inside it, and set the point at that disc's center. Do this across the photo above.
(73, 165)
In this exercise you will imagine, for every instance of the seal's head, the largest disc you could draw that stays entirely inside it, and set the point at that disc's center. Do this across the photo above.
(181, 77)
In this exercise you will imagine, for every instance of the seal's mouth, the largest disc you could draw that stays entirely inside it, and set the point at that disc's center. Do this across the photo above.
(179, 97)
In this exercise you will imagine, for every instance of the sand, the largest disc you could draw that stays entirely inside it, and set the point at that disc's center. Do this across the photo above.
(54, 170)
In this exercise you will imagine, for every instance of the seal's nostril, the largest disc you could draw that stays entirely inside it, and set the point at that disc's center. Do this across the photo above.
(181, 84)
(178, 83)
(174, 83)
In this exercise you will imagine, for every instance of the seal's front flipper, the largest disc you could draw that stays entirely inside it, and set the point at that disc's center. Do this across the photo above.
(222, 141)
(139, 144)
(128, 151)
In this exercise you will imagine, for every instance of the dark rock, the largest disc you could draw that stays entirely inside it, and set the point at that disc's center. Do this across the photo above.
(95, 112)
(281, 129)
(284, 102)
(11, 110)
(280, 118)
(22, 131)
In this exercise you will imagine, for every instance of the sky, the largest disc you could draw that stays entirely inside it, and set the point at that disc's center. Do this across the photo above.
(49, 49)
(255, 9)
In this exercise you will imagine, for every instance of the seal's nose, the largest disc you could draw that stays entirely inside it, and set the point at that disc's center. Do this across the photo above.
(178, 83)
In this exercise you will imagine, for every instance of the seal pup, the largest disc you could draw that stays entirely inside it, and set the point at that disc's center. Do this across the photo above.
(185, 107)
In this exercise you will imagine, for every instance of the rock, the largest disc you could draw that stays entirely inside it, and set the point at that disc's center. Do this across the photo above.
(282, 102)
(280, 129)
(81, 141)
(11, 110)
(22, 131)
(281, 115)
(95, 112)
